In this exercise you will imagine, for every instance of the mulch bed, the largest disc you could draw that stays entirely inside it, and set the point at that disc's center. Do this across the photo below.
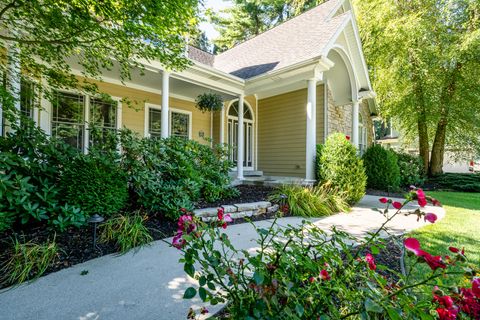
(76, 245)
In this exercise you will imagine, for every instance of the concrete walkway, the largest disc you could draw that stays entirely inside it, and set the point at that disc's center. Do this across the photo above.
(150, 284)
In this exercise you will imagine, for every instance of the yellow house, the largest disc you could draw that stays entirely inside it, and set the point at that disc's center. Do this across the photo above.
(284, 91)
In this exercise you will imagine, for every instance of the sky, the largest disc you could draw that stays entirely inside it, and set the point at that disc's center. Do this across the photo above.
(216, 5)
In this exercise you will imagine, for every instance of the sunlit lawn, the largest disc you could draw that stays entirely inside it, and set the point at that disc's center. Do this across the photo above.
(460, 228)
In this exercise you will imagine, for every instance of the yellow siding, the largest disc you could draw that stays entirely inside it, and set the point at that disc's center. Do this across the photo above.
(281, 134)
(320, 114)
(133, 115)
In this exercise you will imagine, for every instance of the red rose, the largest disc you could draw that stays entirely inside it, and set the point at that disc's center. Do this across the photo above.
(430, 217)
(397, 205)
(324, 275)
(371, 261)
(383, 200)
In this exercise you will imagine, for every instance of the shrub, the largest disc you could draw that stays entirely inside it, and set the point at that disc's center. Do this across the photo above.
(27, 261)
(382, 168)
(168, 174)
(309, 201)
(411, 170)
(30, 166)
(95, 183)
(126, 231)
(464, 182)
(339, 165)
(307, 273)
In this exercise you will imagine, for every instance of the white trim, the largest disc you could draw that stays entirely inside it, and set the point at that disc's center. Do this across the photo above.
(149, 106)
(240, 137)
(86, 126)
(342, 52)
(222, 124)
(325, 110)
(165, 128)
(311, 130)
(255, 156)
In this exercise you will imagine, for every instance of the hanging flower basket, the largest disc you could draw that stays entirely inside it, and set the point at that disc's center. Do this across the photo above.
(209, 102)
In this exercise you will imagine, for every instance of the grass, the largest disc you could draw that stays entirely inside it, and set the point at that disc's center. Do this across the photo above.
(28, 261)
(459, 228)
(126, 231)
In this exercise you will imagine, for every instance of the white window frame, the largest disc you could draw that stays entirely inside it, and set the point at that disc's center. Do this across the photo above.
(47, 115)
(253, 123)
(149, 106)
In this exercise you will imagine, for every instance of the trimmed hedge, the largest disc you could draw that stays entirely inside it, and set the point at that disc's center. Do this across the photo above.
(465, 182)
(339, 165)
(381, 168)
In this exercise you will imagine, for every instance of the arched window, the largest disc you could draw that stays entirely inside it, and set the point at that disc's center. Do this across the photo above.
(233, 111)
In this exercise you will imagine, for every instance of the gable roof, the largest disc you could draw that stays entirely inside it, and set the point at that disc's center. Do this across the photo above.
(291, 42)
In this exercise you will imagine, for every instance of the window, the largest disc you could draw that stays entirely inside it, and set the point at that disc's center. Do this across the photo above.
(68, 118)
(155, 122)
(362, 135)
(233, 111)
(102, 120)
(180, 124)
(27, 98)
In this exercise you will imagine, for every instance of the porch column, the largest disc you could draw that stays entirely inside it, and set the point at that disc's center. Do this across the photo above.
(13, 77)
(355, 119)
(165, 131)
(222, 125)
(311, 130)
(240, 136)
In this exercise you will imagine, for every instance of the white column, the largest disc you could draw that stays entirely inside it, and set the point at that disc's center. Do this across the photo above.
(311, 130)
(165, 107)
(14, 75)
(355, 119)
(240, 139)
(222, 125)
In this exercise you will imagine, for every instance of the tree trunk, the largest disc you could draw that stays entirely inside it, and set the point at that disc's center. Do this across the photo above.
(424, 148)
(438, 148)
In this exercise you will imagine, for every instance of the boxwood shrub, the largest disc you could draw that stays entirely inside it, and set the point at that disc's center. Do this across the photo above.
(411, 169)
(339, 165)
(382, 168)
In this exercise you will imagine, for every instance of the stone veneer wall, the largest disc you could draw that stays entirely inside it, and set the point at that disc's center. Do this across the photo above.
(237, 211)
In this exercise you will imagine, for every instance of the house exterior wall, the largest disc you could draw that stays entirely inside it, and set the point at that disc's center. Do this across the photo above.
(133, 115)
(365, 112)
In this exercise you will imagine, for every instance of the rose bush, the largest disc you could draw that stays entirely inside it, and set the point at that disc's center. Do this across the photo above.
(307, 273)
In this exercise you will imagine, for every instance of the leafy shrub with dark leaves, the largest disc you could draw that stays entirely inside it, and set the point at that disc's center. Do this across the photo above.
(411, 169)
(382, 168)
(95, 183)
(465, 182)
(339, 165)
(165, 175)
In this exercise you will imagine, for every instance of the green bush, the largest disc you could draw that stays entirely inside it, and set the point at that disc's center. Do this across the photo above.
(126, 231)
(464, 182)
(411, 170)
(309, 201)
(339, 165)
(27, 261)
(168, 174)
(382, 168)
(96, 183)
(30, 168)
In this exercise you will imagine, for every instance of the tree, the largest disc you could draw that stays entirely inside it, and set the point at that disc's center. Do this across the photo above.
(425, 67)
(44, 38)
(249, 18)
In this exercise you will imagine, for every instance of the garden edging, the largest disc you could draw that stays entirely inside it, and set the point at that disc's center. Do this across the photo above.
(237, 211)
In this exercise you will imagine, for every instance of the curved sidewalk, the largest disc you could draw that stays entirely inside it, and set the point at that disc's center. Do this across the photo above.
(149, 284)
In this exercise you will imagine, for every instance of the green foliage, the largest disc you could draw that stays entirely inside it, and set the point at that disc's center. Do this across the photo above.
(466, 182)
(168, 174)
(126, 231)
(30, 167)
(339, 165)
(27, 261)
(411, 170)
(433, 76)
(304, 272)
(381, 168)
(111, 34)
(207, 102)
(306, 201)
(96, 183)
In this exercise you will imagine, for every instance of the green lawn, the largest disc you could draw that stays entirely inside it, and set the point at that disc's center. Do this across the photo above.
(460, 227)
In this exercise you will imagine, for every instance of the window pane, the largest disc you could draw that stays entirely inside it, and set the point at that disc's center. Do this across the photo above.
(67, 118)
(180, 124)
(103, 113)
(27, 98)
(71, 134)
(155, 123)
(68, 108)
(233, 111)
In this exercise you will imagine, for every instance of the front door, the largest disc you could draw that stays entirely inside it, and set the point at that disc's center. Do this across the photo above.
(248, 135)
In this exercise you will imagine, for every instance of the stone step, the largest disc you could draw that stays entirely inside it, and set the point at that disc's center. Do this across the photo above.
(240, 210)
(248, 173)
